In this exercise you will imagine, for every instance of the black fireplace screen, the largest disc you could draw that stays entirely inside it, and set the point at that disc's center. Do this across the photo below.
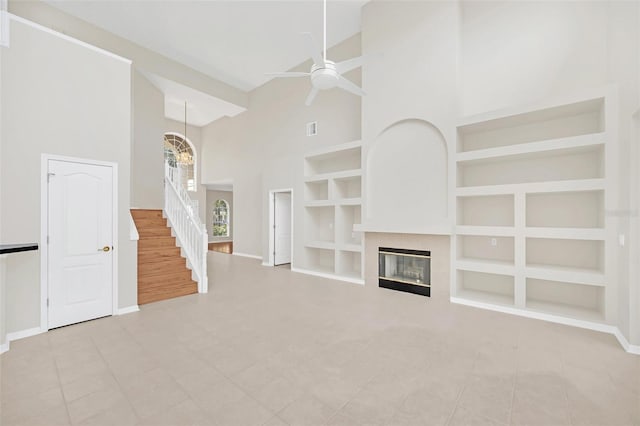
(405, 270)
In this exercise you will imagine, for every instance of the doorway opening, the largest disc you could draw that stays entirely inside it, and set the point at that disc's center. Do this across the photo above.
(280, 227)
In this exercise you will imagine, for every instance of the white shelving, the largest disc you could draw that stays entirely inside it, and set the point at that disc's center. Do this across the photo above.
(532, 192)
(333, 208)
(550, 186)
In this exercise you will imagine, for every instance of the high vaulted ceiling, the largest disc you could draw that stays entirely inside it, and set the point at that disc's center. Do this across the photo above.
(234, 41)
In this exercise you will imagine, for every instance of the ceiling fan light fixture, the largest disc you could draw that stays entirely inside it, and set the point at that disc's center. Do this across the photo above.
(326, 74)
(324, 78)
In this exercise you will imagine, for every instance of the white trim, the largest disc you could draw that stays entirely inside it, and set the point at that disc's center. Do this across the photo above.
(334, 149)
(605, 328)
(17, 335)
(4, 25)
(632, 349)
(133, 229)
(329, 276)
(542, 104)
(220, 241)
(114, 236)
(228, 236)
(267, 264)
(272, 260)
(68, 38)
(251, 256)
(5, 347)
(128, 310)
(436, 229)
(44, 228)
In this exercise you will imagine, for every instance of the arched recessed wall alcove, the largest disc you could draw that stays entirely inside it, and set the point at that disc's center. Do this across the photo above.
(406, 178)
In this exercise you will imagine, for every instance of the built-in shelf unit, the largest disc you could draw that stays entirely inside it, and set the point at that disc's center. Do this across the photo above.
(531, 196)
(332, 207)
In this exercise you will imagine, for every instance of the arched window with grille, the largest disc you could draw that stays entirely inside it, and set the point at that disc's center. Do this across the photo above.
(180, 153)
(221, 218)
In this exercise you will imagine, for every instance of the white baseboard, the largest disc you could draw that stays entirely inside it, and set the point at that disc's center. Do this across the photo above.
(4, 347)
(632, 349)
(251, 256)
(329, 276)
(267, 264)
(128, 310)
(605, 328)
(16, 335)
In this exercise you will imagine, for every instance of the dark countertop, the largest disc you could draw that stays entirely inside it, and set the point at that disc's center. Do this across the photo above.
(15, 248)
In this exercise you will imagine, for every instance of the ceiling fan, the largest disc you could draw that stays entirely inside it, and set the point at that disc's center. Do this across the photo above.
(325, 74)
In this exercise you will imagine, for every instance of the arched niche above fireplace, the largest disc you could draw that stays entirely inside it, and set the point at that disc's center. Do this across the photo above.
(406, 178)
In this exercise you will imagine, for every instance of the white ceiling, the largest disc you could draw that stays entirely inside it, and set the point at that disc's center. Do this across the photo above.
(224, 185)
(234, 41)
(202, 108)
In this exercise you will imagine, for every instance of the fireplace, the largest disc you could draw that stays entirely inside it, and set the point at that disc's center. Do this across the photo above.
(405, 270)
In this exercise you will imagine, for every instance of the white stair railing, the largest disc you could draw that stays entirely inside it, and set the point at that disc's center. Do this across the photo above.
(191, 233)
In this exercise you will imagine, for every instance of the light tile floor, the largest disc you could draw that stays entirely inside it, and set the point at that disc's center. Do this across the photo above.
(270, 347)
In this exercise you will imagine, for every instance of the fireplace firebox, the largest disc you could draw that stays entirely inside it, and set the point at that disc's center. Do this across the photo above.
(405, 270)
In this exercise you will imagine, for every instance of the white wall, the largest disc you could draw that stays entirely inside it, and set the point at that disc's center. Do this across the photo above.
(514, 52)
(147, 162)
(410, 78)
(407, 179)
(58, 97)
(263, 148)
(49, 16)
(212, 197)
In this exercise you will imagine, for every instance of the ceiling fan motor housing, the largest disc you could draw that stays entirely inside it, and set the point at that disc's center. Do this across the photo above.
(324, 77)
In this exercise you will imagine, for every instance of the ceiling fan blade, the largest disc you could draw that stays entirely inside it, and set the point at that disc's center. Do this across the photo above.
(349, 64)
(347, 85)
(288, 74)
(311, 97)
(313, 50)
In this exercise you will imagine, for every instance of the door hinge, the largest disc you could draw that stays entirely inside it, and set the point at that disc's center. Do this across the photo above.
(49, 176)
(47, 239)
(47, 302)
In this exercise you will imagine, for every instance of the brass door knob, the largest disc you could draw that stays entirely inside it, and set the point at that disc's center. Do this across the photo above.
(105, 248)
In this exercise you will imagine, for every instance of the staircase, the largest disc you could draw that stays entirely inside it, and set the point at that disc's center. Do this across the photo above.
(162, 271)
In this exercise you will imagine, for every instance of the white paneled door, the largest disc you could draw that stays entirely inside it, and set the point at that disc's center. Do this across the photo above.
(282, 227)
(80, 222)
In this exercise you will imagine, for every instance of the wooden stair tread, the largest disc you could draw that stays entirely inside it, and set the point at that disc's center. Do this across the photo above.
(156, 223)
(156, 242)
(144, 298)
(162, 271)
(151, 233)
(169, 288)
(157, 255)
(143, 213)
(164, 276)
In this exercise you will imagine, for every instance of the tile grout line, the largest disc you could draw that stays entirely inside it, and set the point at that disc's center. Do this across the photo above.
(513, 392)
(115, 378)
(64, 399)
(564, 388)
(464, 388)
(214, 367)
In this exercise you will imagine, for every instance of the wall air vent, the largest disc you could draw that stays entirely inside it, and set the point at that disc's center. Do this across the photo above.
(312, 128)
